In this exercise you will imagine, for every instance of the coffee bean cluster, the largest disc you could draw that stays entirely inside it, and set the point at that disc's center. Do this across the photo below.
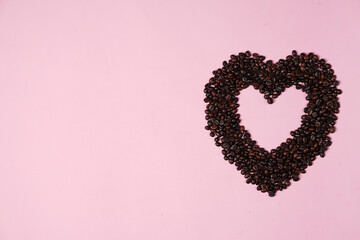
(272, 171)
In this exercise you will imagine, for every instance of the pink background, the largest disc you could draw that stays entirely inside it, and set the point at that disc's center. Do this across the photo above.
(102, 120)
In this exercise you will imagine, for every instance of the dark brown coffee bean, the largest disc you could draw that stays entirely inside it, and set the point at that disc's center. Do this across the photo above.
(332, 129)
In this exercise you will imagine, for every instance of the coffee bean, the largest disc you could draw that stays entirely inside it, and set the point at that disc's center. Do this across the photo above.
(272, 193)
(273, 170)
(332, 129)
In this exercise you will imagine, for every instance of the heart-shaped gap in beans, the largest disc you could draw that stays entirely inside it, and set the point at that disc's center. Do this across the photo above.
(272, 170)
(270, 124)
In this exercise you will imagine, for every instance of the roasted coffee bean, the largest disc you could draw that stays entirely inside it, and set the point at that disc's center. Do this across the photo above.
(270, 101)
(332, 129)
(272, 171)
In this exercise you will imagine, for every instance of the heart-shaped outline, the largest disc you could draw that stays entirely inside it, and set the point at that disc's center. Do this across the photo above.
(272, 171)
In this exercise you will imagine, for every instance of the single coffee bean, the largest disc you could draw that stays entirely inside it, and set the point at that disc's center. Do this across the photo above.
(332, 129)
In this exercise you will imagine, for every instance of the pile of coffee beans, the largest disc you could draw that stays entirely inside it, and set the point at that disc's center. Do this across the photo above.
(272, 171)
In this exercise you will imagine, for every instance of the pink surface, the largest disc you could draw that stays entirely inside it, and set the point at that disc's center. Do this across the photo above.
(102, 120)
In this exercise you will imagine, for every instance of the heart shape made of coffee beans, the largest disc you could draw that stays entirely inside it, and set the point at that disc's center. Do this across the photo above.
(272, 171)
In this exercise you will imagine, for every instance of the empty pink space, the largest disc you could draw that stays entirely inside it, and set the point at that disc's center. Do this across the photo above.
(275, 121)
(102, 120)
